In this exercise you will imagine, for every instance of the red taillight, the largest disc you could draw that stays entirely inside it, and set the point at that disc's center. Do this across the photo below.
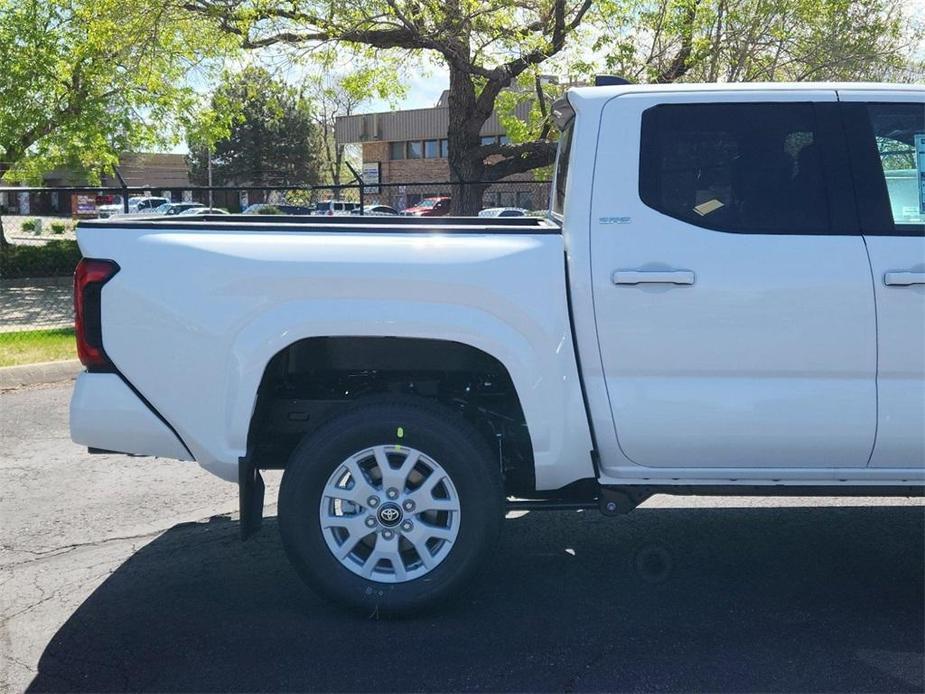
(89, 278)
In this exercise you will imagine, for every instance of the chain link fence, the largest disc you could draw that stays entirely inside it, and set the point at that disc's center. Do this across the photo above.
(38, 248)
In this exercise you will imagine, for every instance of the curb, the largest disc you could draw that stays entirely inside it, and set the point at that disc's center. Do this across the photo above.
(43, 372)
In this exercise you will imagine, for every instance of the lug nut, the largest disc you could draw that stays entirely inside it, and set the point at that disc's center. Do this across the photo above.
(387, 534)
(392, 493)
(408, 505)
(407, 526)
(372, 502)
(370, 522)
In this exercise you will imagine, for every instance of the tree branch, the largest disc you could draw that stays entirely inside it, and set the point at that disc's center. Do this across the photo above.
(559, 30)
(518, 158)
(679, 64)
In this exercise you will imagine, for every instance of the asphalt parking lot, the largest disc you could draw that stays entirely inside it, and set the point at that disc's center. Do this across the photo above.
(126, 574)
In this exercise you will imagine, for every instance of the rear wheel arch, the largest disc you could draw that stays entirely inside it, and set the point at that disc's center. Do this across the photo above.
(312, 379)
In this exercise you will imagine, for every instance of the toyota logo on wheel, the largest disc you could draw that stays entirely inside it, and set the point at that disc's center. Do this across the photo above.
(389, 514)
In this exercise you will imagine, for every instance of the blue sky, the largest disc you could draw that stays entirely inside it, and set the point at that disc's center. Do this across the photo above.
(424, 88)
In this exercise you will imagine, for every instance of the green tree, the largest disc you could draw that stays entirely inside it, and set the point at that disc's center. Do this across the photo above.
(485, 46)
(662, 41)
(271, 137)
(83, 80)
(340, 88)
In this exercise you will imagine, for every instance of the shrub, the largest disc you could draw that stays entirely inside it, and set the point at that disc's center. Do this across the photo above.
(29, 225)
(268, 209)
(53, 259)
(58, 227)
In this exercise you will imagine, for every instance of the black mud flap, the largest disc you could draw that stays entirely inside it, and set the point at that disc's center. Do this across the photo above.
(250, 497)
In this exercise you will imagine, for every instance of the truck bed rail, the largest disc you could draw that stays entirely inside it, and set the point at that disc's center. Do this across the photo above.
(350, 224)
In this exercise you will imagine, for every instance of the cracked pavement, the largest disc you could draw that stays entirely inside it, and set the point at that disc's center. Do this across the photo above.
(68, 520)
(126, 574)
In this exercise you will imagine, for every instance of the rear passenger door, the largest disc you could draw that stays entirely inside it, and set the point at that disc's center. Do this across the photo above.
(732, 294)
(887, 140)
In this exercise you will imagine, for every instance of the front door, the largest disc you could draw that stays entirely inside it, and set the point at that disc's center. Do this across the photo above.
(887, 141)
(732, 295)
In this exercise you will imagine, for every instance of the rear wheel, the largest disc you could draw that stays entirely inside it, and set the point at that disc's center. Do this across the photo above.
(390, 507)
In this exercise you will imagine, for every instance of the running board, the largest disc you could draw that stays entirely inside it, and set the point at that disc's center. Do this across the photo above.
(620, 500)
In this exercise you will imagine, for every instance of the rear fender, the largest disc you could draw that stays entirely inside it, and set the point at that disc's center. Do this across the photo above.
(545, 378)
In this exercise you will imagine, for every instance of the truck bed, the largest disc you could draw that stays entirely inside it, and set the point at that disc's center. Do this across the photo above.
(202, 306)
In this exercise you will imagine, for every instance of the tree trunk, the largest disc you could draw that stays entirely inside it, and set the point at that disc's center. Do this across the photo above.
(463, 142)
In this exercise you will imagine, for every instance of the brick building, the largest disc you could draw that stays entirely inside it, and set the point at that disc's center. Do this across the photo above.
(163, 173)
(409, 147)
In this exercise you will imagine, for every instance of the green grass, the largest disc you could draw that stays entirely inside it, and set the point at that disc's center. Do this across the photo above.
(34, 346)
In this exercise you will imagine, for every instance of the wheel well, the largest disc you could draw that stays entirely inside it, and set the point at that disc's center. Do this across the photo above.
(313, 379)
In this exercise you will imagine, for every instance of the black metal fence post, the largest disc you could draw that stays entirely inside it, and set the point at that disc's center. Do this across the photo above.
(124, 188)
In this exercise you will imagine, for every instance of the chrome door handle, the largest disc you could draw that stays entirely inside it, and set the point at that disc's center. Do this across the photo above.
(653, 277)
(903, 279)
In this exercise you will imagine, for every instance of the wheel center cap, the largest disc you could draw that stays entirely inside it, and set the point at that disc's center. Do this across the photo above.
(390, 515)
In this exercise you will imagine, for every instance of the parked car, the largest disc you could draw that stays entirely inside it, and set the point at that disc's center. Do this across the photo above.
(277, 208)
(174, 208)
(503, 212)
(717, 303)
(376, 210)
(147, 205)
(196, 211)
(116, 207)
(331, 208)
(429, 207)
(112, 208)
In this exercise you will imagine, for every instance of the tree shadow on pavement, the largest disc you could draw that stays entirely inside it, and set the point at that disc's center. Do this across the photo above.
(744, 599)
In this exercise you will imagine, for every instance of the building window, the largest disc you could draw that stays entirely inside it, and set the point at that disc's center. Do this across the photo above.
(488, 140)
(504, 140)
(415, 150)
(525, 199)
(444, 148)
(431, 149)
(396, 150)
(505, 198)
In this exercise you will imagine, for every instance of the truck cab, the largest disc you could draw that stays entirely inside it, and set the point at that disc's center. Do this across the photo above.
(751, 251)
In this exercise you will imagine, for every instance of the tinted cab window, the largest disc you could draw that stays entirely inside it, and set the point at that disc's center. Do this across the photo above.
(743, 167)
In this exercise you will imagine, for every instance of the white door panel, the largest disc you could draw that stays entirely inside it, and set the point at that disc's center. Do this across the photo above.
(894, 229)
(767, 359)
(901, 328)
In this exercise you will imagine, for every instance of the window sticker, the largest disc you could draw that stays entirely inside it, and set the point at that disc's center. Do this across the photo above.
(920, 160)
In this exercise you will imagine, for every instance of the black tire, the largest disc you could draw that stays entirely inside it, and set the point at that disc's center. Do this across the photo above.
(429, 427)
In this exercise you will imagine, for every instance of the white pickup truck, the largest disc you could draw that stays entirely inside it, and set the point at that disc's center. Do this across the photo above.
(727, 297)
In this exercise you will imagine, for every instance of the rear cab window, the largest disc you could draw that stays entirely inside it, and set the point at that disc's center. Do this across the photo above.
(750, 167)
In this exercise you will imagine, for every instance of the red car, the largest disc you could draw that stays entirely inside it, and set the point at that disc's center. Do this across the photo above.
(429, 207)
